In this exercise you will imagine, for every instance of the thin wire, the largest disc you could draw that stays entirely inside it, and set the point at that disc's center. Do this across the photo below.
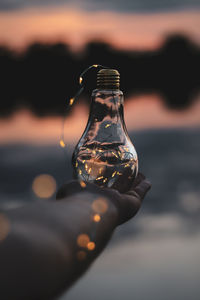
(73, 99)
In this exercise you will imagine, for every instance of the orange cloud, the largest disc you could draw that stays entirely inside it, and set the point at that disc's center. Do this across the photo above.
(18, 28)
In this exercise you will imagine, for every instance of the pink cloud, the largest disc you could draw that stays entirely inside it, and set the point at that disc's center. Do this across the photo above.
(142, 31)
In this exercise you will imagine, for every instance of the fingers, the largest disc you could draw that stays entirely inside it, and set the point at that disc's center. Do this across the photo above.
(142, 188)
(132, 200)
(137, 180)
(68, 189)
(75, 186)
(141, 185)
(127, 204)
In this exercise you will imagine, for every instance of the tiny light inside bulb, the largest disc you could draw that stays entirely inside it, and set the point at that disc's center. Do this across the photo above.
(71, 101)
(80, 80)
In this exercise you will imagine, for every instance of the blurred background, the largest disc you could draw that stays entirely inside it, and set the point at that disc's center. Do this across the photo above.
(44, 46)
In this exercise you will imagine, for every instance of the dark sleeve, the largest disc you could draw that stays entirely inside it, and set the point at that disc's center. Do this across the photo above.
(46, 246)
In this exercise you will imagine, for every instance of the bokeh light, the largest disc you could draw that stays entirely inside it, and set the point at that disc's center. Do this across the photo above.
(83, 240)
(100, 205)
(96, 218)
(91, 246)
(82, 184)
(44, 186)
(4, 227)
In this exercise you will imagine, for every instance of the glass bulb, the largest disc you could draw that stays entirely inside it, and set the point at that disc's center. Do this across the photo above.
(105, 154)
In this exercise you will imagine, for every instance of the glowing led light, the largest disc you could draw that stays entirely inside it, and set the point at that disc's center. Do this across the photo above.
(83, 240)
(80, 79)
(127, 165)
(82, 184)
(105, 179)
(81, 255)
(4, 227)
(96, 218)
(100, 205)
(91, 246)
(89, 171)
(99, 178)
(108, 125)
(113, 174)
(95, 66)
(76, 164)
(114, 154)
(118, 173)
(86, 167)
(71, 101)
(83, 161)
(44, 186)
(62, 144)
(80, 172)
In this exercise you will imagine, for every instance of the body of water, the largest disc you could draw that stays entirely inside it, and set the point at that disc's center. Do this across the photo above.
(157, 254)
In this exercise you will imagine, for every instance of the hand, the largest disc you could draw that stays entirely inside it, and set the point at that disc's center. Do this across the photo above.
(127, 204)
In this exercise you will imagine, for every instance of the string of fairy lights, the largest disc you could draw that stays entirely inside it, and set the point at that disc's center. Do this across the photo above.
(85, 170)
(73, 99)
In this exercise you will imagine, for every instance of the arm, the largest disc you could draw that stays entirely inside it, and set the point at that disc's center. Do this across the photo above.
(43, 250)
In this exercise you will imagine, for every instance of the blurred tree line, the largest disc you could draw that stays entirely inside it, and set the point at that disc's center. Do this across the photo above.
(44, 76)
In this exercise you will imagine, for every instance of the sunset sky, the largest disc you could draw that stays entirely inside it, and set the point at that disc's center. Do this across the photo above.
(126, 24)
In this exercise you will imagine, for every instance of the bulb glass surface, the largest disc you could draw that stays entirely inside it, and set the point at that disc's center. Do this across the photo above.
(105, 154)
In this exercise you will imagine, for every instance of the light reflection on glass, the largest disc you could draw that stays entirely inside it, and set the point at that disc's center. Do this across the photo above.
(105, 154)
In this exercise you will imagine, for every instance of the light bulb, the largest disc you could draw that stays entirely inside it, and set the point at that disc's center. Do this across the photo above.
(105, 154)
